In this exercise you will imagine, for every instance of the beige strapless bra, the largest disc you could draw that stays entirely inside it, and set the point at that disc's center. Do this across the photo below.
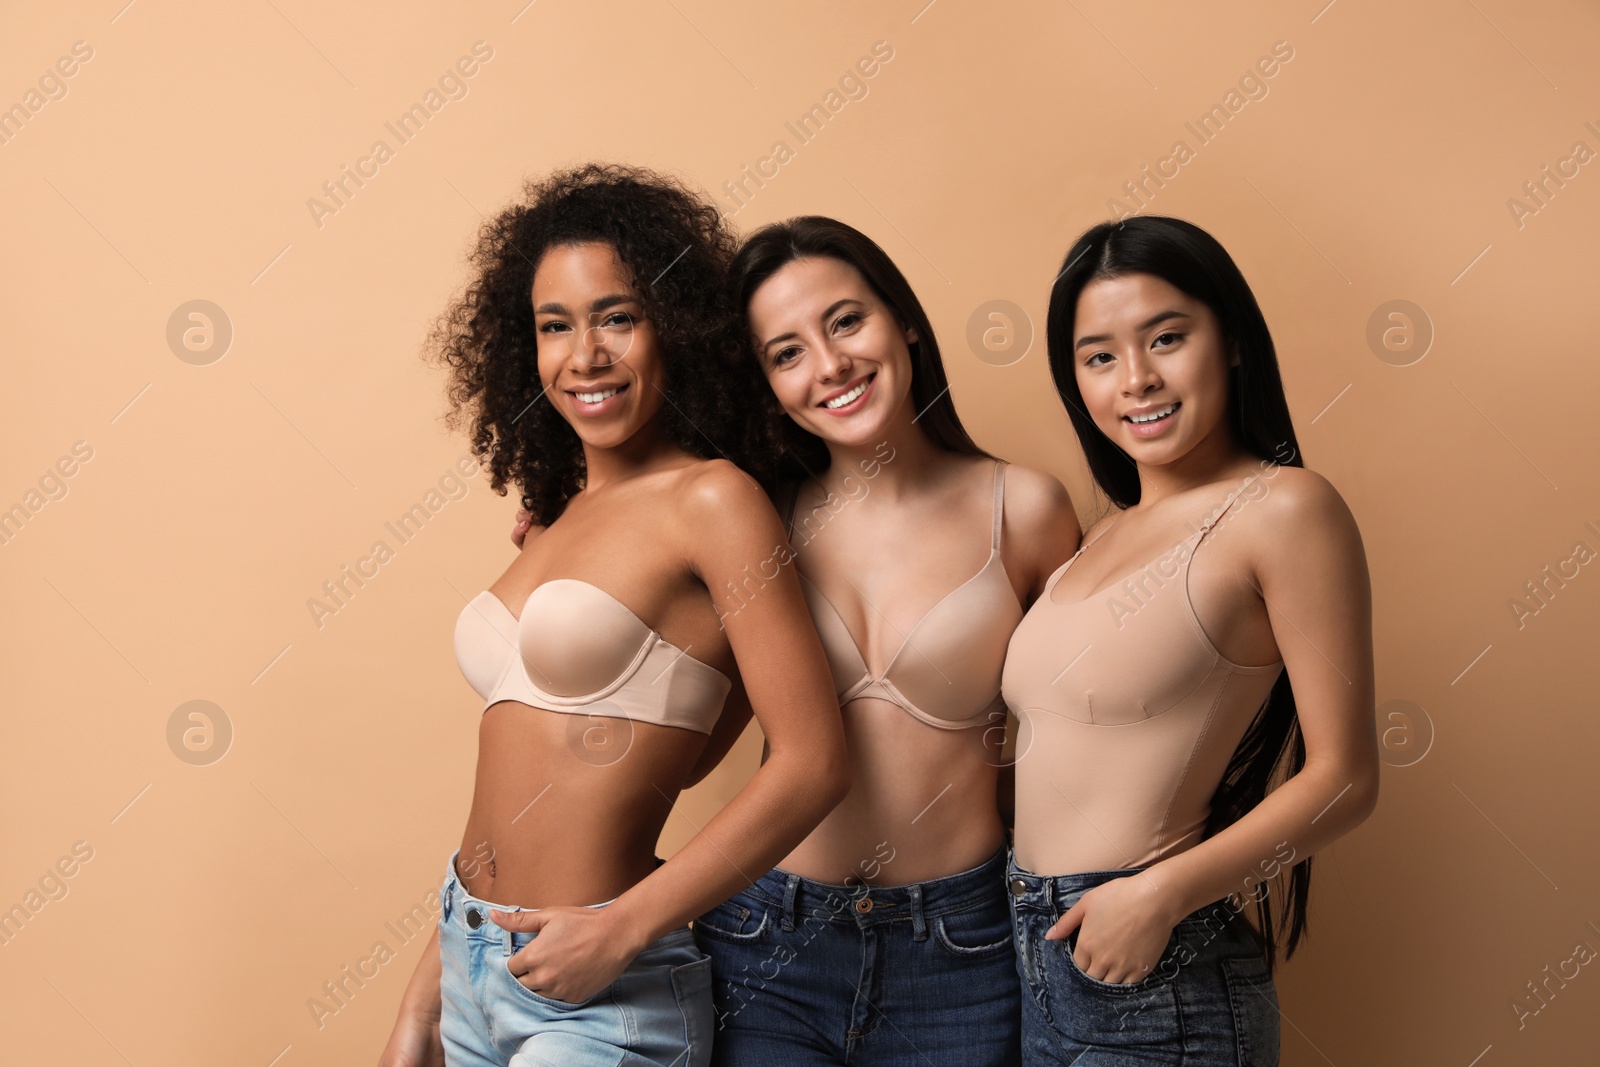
(577, 649)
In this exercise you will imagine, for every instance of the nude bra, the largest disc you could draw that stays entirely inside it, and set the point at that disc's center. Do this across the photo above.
(1134, 715)
(946, 671)
(577, 649)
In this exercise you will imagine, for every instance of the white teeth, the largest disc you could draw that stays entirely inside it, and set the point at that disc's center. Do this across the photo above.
(845, 398)
(595, 398)
(1154, 415)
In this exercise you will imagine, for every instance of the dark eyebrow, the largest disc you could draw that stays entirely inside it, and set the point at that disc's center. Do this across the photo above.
(826, 313)
(1170, 313)
(604, 302)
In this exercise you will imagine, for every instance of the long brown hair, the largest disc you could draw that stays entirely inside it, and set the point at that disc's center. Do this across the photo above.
(773, 247)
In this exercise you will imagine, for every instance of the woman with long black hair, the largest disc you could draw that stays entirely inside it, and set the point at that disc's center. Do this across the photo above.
(1195, 686)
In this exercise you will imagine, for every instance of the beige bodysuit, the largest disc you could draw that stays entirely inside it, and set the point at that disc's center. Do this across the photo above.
(1130, 718)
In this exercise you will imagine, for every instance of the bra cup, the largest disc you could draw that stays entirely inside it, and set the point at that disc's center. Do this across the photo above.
(844, 661)
(950, 666)
(575, 640)
(484, 647)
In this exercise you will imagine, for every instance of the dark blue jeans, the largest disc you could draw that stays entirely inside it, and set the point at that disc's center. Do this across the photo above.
(1208, 1002)
(807, 973)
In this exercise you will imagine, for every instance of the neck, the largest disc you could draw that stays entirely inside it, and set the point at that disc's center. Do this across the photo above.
(1215, 457)
(647, 450)
(902, 458)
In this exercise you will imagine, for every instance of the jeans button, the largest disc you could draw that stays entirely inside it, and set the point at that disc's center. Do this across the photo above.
(864, 905)
(474, 918)
(1018, 887)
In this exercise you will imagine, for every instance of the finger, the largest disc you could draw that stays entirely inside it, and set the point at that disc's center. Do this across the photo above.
(526, 922)
(1070, 921)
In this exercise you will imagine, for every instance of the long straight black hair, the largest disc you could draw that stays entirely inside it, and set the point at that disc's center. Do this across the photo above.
(773, 247)
(1191, 260)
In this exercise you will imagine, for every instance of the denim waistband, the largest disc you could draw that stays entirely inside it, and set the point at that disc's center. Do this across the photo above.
(470, 914)
(1055, 893)
(865, 905)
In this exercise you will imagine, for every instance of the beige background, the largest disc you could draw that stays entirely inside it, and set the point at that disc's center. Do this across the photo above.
(219, 497)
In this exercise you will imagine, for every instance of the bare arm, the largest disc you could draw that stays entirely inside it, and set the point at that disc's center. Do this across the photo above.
(1041, 528)
(735, 717)
(734, 533)
(415, 1039)
(1311, 572)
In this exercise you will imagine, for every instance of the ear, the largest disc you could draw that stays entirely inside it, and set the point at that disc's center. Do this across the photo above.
(911, 335)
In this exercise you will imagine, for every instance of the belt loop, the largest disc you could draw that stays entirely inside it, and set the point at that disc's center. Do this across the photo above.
(449, 898)
(919, 922)
(508, 938)
(790, 887)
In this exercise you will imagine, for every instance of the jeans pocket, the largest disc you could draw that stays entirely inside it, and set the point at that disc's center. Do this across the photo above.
(1087, 1010)
(738, 921)
(550, 1002)
(977, 932)
(691, 985)
(1254, 999)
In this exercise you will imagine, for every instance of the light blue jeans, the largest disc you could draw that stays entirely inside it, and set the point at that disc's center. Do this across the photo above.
(657, 1013)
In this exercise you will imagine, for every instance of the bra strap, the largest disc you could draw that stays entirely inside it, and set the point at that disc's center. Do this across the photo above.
(999, 503)
(1227, 503)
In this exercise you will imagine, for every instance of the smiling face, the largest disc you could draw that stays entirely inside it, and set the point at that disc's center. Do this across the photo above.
(598, 357)
(1152, 366)
(833, 352)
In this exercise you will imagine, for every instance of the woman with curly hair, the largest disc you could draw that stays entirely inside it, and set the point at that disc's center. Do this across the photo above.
(601, 357)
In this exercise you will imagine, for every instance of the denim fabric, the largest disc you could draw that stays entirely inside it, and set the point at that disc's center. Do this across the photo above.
(1209, 1001)
(811, 972)
(657, 1013)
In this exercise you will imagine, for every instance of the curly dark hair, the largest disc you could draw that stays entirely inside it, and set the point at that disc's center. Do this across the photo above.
(679, 250)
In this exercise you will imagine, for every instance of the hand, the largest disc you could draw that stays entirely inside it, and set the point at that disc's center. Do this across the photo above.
(414, 1043)
(523, 525)
(579, 951)
(1123, 928)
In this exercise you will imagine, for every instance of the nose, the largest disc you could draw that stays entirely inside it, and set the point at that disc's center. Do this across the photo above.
(832, 363)
(1140, 374)
(592, 347)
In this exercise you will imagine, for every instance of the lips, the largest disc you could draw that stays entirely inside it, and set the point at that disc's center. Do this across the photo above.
(1150, 415)
(597, 398)
(847, 398)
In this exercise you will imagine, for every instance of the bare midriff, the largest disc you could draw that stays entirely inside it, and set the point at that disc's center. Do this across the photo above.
(567, 809)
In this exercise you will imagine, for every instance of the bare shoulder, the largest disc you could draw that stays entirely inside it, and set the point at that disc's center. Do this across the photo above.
(1301, 517)
(1040, 527)
(715, 501)
(716, 485)
(1036, 501)
(1298, 499)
